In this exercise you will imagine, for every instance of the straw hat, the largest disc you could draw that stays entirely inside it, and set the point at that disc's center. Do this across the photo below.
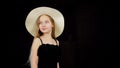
(30, 21)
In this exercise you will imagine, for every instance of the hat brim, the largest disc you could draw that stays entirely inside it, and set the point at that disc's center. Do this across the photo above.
(35, 13)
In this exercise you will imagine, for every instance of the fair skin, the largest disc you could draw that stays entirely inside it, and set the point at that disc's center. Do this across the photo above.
(45, 27)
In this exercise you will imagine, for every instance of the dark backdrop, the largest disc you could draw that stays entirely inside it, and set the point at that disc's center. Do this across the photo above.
(87, 40)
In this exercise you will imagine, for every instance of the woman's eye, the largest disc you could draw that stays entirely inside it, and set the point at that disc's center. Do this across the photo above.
(46, 22)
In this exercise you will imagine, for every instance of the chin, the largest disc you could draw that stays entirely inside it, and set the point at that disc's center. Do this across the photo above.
(45, 31)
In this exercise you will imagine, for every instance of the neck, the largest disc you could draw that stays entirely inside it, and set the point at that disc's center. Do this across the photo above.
(47, 35)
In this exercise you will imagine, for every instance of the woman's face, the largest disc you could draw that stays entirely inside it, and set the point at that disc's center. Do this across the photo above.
(45, 24)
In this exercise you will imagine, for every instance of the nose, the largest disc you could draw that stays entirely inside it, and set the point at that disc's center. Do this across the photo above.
(43, 24)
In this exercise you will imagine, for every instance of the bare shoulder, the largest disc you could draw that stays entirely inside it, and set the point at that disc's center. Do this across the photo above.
(57, 42)
(36, 39)
(36, 42)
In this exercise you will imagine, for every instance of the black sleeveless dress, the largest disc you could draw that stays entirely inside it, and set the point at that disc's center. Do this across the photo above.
(48, 55)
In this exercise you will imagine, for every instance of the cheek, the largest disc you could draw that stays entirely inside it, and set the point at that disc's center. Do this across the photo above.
(40, 26)
(49, 25)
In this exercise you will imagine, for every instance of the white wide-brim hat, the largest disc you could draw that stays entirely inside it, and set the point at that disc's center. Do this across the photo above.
(30, 21)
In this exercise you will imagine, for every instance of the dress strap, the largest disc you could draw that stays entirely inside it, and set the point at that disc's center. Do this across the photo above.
(41, 41)
(54, 39)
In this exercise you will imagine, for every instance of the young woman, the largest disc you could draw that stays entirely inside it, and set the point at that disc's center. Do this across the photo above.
(45, 26)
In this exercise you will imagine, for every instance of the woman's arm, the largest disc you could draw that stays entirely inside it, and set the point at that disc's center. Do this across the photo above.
(58, 66)
(33, 55)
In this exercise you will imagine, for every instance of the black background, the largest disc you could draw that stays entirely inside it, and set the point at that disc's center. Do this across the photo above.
(87, 40)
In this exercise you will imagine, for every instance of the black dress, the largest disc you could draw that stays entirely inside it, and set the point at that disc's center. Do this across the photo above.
(48, 55)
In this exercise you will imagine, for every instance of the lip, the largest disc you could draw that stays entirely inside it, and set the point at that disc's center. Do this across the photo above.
(44, 28)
